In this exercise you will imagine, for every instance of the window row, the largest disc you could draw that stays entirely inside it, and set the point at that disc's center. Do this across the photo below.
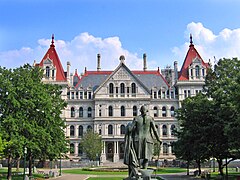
(122, 89)
(80, 130)
(122, 111)
(80, 112)
(79, 94)
(164, 94)
(197, 73)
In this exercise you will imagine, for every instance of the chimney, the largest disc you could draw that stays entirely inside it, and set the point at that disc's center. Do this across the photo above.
(176, 70)
(68, 70)
(144, 62)
(98, 62)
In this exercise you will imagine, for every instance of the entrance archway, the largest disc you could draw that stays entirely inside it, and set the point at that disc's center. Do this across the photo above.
(110, 151)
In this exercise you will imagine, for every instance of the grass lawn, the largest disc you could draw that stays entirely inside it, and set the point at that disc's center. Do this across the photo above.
(170, 170)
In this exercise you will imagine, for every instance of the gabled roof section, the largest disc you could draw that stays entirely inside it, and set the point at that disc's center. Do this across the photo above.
(147, 79)
(122, 65)
(191, 55)
(52, 55)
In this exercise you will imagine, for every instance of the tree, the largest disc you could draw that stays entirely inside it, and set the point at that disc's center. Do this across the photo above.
(31, 115)
(223, 87)
(91, 144)
(195, 118)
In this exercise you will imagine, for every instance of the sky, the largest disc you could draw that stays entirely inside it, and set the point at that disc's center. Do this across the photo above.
(84, 28)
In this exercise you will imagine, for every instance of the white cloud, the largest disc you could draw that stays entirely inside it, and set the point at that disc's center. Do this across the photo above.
(81, 51)
(224, 44)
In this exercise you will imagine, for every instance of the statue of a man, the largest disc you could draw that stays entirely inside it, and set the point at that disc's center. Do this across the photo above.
(139, 140)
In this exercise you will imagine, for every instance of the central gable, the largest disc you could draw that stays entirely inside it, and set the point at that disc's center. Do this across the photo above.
(121, 75)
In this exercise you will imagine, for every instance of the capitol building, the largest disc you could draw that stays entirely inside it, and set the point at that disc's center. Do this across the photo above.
(106, 101)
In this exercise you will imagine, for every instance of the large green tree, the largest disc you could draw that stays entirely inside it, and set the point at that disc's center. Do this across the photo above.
(223, 87)
(91, 144)
(194, 135)
(31, 116)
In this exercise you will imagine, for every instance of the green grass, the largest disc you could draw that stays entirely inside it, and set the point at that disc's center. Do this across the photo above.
(97, 172)
(170, 170)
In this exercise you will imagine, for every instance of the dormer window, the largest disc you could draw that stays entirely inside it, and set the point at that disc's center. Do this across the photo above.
(197, 71)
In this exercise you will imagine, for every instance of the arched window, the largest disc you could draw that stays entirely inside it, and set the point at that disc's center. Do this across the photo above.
(71, 148)
(81, 112)
(172, 129)
(164, 130)
(111, 87)
(165, 148)
(110, 129)
(80, 131)
(72, 131)
(80, 150)
(197, 71)
(122, 129)
(155, 113)
(164, 111)
(122, 88)
(89, 128)
(72, 112)
(122, 111)
(89, 112)
(172, 111)
(110, 111)
(133, 87)
(134, 110)
(47, 71)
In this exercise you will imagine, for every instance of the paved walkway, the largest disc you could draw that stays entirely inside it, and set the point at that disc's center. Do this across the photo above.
(72, 177)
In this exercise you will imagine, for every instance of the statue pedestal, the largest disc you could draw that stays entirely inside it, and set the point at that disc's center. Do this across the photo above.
(145, 175)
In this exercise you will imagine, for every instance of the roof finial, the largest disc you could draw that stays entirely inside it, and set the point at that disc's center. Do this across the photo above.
(191, 41)
(52, 43)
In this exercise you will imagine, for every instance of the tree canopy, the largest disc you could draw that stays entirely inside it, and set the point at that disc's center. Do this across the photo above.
(31, 115)
(92, 144)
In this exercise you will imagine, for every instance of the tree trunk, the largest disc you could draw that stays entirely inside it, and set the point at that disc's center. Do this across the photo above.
(220, 166)
(30, 164)
(18, 164)
(9, 176)
(188, 168)
(199, 167)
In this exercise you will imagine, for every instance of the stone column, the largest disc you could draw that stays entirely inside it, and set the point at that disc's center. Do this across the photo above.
(75, 149)
(103, 155)
(76, 130)
(169, 130)
(116, 154)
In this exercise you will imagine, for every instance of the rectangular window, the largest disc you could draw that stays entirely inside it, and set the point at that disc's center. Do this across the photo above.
(89, 95)
(185, 93)
(155, 95)
(77, 95)
(189, 93)
(72, 95)
(81, 95)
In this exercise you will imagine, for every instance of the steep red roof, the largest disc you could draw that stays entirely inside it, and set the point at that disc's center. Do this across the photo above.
(52, 54)
(191, 55)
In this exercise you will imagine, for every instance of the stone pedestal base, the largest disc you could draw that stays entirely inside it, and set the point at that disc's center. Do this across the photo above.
(145, 175)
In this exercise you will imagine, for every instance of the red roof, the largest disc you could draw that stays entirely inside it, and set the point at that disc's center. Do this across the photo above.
(191, 55)
(52, 54)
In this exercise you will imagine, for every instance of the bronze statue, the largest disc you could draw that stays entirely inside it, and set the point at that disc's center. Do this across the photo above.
(139, 142)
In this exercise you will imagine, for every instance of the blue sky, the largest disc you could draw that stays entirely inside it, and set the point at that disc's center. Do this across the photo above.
(84, 28)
